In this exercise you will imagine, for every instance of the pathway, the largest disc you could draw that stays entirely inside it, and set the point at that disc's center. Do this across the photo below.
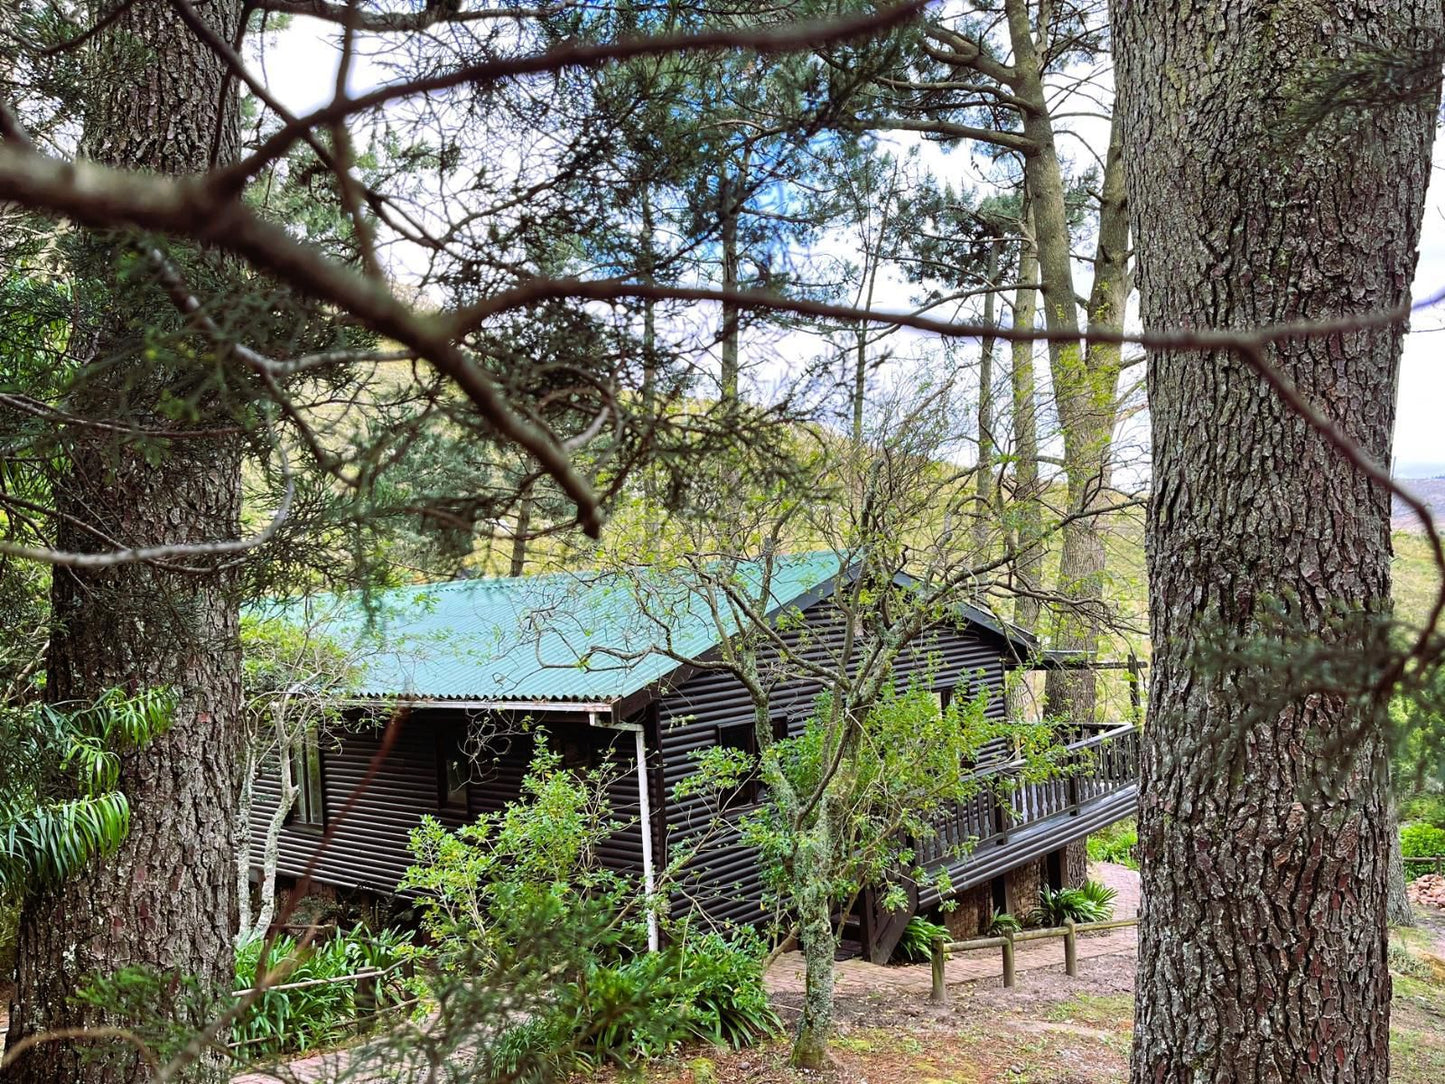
(850, 976)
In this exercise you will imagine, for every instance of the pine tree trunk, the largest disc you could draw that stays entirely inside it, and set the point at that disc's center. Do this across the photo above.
(729, 200)
(522, 534)
(1027, 517)
(1398, 911)
(167, 898)
(983, 480)
(1088, 410)
(1083, 381)
(1262, 937)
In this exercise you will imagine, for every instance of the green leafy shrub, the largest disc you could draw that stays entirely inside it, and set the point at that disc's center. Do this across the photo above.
(1420, 841)
(538, 852)
(1102, 897)
(621, 1011)
(1001, 922)
(1116, 843)
(62, 805)
(1091, 903)
(529, 925)
(1428, 808)
(723, 987)
(917, 940)
(288, 1021)
(9, 933)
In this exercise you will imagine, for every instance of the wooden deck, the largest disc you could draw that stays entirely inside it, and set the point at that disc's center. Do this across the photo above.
(1011, 822)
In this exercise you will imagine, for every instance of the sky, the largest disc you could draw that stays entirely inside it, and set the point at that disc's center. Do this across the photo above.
(300, 65)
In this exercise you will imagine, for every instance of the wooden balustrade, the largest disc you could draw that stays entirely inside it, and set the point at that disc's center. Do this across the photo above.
(1104, 762)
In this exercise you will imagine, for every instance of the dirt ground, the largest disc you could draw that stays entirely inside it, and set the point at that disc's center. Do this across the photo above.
(1049, 1029)
(1431, 921)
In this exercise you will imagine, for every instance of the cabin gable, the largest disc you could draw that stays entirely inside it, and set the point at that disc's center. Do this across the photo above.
(724, 880)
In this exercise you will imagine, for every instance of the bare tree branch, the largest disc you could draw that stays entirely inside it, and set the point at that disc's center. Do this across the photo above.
(384, 22)
(574, 55)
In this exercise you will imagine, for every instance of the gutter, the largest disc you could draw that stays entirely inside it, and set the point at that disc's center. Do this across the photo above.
(562, 707)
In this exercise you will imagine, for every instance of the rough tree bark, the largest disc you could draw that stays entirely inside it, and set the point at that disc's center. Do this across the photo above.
(984, 483)
(1025, 520)
(167, 899)
(1398, 911)
(730, 191)
(811, 864)
(1027, 527)
(1262, 937)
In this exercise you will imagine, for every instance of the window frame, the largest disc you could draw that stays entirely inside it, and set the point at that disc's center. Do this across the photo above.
(578, 752)
(748, 793)
(308, 779)
(452, 794)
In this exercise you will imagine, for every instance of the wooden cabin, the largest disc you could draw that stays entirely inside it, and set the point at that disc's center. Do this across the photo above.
(461, 673)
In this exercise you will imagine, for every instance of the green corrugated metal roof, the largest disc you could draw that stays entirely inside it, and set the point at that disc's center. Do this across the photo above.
(533, 637)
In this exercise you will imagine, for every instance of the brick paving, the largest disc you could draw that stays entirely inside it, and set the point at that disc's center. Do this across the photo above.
(857, 976)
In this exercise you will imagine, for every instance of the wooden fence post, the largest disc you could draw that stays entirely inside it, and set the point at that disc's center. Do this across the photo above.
(940, 991)
(1008, 958)
(1136, 708)
(365, 1006)
(1071, 948)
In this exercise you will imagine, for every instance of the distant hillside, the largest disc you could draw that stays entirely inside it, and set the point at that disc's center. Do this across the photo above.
(1429, 490)
(1416, 580)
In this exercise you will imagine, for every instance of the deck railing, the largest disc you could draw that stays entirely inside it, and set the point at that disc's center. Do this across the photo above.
(1103, 762)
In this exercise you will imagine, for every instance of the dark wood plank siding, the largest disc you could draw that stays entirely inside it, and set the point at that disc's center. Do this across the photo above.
(724, 881)
(369, 850)
(623, 851)
(369, 847)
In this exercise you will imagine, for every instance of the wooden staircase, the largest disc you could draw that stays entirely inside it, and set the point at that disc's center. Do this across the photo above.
(1004, 826)
(879, 929)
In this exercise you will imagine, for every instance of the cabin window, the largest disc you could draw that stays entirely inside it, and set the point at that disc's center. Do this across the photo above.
(453, 771)
(745, 740)
(575, 751)
(310, 807)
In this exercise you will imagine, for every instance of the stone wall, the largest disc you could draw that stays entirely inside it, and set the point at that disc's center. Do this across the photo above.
(1021, 891)
(971, 917)
(1021, 887)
